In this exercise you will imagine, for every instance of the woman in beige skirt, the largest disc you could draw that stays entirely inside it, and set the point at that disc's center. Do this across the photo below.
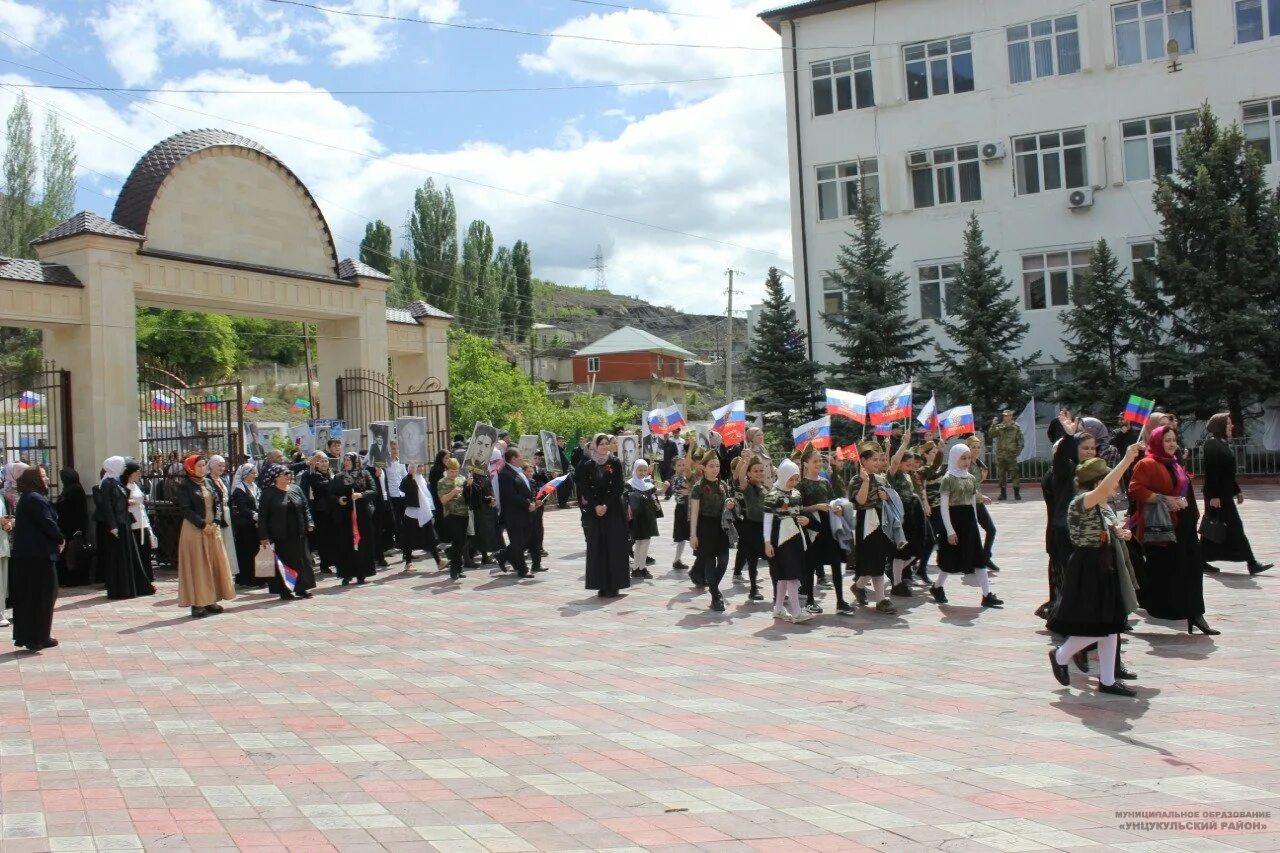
(204, 572)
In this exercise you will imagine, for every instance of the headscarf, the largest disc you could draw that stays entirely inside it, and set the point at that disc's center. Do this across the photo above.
(640, 484)
(215, 459)
(189, 464)
(12, 472)
(1155, 449)
(786, 471)
(113, 468)
(953, 456)
(1217, 425)
(273, 471)
(425, 510)
(238, 483)
(596, 453)
(1091, 470)
(1097, 429)
(30, 481)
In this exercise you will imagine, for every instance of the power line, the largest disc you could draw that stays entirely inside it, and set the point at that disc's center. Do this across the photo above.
(644, 9)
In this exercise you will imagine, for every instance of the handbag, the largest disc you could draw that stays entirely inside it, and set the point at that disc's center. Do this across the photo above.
(1213, 528)
(1157, 525)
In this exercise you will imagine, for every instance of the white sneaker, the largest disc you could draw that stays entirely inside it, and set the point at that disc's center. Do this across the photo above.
(804, 616)
(4, 623)
(781, 614)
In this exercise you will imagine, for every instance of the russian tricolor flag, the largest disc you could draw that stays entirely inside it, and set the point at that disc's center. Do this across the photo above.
(731, 422)
(848, 453)
(551, 487)
(957, 421)
(928, 417)
(889, 404)
(1138, 410)
(815, 433)
(665, 421)
(288, 575)
(29, 400)
(161, 402)
(846, 404)
(254, 404)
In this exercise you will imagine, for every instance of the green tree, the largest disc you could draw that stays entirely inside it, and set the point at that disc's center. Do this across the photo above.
(21, 164)
(1101, 334)
(504, 278)
(877, 341)
(522, 263)
(783, 379)
(1218, 267)
(481, 302)
(265, 341)
(405, 288)
(198, 346)
(375, 248)
(983, 323)
(58, 177)
(433, 237)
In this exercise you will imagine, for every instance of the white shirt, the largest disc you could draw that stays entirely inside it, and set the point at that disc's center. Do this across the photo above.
(396, 472)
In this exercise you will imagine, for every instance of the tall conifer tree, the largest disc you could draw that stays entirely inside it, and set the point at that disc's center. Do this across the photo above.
(783, 379)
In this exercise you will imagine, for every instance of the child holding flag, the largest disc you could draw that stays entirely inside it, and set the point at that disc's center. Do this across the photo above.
(961, 552)
(816, 495)
(680, 524)
(872, 548)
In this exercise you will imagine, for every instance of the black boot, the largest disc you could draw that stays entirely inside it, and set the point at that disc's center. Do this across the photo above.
(1017, 493)
(1004, 496)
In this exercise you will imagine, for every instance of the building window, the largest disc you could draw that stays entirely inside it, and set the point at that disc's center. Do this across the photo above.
(659, 364)
(937, 289)
(832, 295)
(1144, 27)
(1142, 258)
(940, 67)
(839, 184)
(945, 175)
(1048, 277)
(593, 364)
(1151, 144)
(1262, 127)
(1044, 48)
(1256, 19)
(1050, 161)
(842, 84)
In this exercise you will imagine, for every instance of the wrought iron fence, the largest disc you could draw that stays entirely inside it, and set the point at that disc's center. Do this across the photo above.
(176, 418)
(366, 396)
(35, 411)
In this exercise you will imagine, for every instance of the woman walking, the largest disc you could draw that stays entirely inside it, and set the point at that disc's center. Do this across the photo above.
(1090, 608)
(33, 561)
(328, 540)
(708, 499)
(244, 524)
(353, 494)
(749, 495)
(204, 572)
(418, 527)
(455, 511)
(144, 538)
(642, 516)
(903, 474)
(604, 522)
(122, 568)
(783, 529)
(979, 469)
(817, 494)
(221, 484)
(284, 519)
(1228, 544)
(961, 552)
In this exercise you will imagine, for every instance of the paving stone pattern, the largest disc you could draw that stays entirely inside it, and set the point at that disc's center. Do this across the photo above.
(496, 715)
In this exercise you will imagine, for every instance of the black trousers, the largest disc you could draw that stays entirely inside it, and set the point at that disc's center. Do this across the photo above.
(988, 526)
(454, 529)
(712, 559)
(517, 542)
(536, 534)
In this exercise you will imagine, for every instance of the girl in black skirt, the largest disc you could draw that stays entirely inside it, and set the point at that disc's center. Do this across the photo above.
(750, 495)
(642, 516)
(903, 469)
(284, 519)
(785, 541)
(823, 550)
(961, 552)
(872, 548)
(708, 499)
(1090, 606)
(680, 524)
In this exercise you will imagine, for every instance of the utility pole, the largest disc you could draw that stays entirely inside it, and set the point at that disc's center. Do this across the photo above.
(728, 346)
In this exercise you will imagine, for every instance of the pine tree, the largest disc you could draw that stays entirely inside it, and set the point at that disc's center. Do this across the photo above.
(878, 342)
(1102, 332)
(1218, 266)
(983, 324)
(783, 379)
(375, 248)
(522, 263)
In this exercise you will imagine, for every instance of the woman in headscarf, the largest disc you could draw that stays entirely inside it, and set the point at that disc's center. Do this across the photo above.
(434, 476)
(1091, 607)
(979, 470)
(221, 483)
(604, 521)
(1076, 445)
(328, 540)
(204, 572)
(487, 539)
(452, 488)
(1170, 580)
(961, 552)
(642, 516)
(1101, 439)
(144, 538)
(73, 517)
(122, 568)
(6, 525)
(33, 563)
(283, 521)
(353, 494)
(418, 528)
(244, 524)
(1221, 495)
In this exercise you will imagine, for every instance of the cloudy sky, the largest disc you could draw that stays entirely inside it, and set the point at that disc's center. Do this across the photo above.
(677, 181)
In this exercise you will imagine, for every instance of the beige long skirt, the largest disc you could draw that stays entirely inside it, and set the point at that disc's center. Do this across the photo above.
(204, 573)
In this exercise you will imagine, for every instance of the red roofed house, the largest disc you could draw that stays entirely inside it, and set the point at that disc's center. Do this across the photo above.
(634, 364)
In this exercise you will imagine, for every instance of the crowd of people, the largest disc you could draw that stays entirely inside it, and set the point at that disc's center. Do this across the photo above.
(1123, 531)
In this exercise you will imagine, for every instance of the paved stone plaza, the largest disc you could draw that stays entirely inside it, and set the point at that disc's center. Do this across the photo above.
(413, 714)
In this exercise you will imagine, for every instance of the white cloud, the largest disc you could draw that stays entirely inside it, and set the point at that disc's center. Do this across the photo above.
(355, 41)
(29, 24)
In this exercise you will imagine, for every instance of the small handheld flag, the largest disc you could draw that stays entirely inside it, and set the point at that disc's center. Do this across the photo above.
(210, 402)
(551, 486)
(287, 575)
(928, 417)
(29, 400)
(254, 404)
(846, 404)
(1138, 409)
(889, 404)
(848, 453)
(957, 421)
(300, 405)
(815, 433)
(355, 529)
(731, 422)
(161, 402)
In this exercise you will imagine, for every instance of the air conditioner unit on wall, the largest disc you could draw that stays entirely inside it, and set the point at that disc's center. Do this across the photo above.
(992, 150)
(1080, 198)
(919, 159)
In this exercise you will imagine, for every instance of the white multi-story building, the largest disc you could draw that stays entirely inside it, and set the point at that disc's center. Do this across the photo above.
(1048, 118)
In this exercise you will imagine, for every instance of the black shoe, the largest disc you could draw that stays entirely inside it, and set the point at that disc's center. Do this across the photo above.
(1017, 494)
(813, 607)
(992, 567)
(346, 581)
(1209, 570)
(1125, 674)
(645, 573)
(196, 612)
(326, 570)
(822, 579)
(1060, 671)
(362, 581)
(861, 595)
(844, 607)
(502, 567)
(939, 594)
(542, 552)
(1003, 496)
(990, 600)
(1081, 659)
(902, 590)
(1259, 568)
(454, 576)
(1198, 622)
(1043, 611)
(382, 564)
(679, 566)
(306, 593)
(1117, 689)
(50, 643)
(717, 604)
(648, 561)
(214, 609)
(286, 596)
(755, 595)
(524, 574)
(696, 580)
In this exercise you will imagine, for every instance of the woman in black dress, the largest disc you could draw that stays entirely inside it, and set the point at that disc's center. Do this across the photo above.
(1221, 495)
(353, 493)
(328, 541)
(244, 524)
(77, 563)
(418, 527)
(604, 521)
(486, 540)
(33, 563)
(284, 520)
(434, 476)
(121, 563)
(823, 550)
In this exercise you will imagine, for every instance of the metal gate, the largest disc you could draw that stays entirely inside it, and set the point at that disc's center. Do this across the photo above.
(176, 418)
(366, 396)
(35, 410)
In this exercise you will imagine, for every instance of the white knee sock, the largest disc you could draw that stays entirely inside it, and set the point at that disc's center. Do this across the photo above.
(1071, 645)
(878, 583)
(780, 595)
(680, 550)
(1107, 647)
(641, 553)
(793, 594)
(942, 579)
(984, 581)
(898, 566)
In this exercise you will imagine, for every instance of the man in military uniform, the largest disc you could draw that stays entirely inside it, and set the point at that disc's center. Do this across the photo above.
(1008, 439)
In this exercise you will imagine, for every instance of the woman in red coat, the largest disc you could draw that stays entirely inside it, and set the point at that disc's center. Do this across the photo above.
(1170, 582)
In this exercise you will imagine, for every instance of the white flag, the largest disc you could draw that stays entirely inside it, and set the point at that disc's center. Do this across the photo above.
(1027, 423)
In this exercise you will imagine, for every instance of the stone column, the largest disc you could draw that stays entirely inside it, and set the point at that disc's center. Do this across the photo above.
(358, 342)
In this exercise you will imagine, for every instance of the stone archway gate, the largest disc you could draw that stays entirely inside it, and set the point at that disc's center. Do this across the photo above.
(207, 221)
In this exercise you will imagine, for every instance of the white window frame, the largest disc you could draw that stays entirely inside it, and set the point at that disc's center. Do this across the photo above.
(1271, 106)
(832, 71)
(1074, 268)
(1149, 138)
(593, 364)
(941, 282)
(1051, 32)
(864, 174)
(1049, 155)
(830, 287)
(1150, 15)
(938, 174)
(943, 50)
(1268, 12)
